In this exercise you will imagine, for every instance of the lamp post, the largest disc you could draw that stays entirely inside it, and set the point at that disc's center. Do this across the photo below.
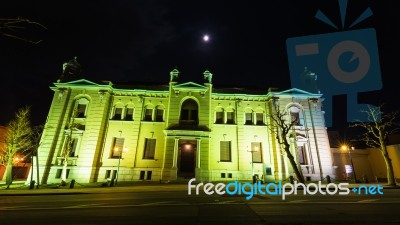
(252, 159)
(119, 161)
(345, 148)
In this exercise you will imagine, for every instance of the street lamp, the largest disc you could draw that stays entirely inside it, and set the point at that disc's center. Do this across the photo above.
(255, 149)
(345, 148)
(119, 161)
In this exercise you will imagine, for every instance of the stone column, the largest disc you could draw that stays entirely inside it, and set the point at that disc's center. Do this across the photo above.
(175, 157)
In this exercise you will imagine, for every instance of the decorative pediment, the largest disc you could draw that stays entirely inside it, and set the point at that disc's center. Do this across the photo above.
(297, 92)
(81, 82)
(190, 86)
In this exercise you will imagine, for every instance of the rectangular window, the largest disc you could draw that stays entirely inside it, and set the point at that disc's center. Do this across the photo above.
(230, 118)
(80, 111)
(149, 148)
(302, 155)
(160, 115)
(58, 174)
(117, 114)
(260, 118)
(229, 175)
(219, 117)
(129, 114)
(225, 151)
(223, 175)
(108, 174)
(268, 171)
(118, 147)
(256, 152)
(249, 118)
(72, 149)
(149, 173)
(141, 176)
(148, 115)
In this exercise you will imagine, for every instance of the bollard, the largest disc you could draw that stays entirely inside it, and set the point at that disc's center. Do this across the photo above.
(72, 184)
(32, 184)
(328, 179)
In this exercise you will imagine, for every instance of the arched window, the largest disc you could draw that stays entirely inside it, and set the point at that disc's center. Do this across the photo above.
(81, 106)
(117, 112)
(295, 118)
(189, 112)
(129, 110)
(219, 115)
(260, 117)
(160, 113)
(230, 116)
(248, 117)
(148, 113)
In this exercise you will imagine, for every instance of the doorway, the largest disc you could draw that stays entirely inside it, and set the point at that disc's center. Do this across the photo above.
(187, 158)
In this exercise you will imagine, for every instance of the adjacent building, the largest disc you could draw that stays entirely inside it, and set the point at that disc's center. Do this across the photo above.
(133, 132)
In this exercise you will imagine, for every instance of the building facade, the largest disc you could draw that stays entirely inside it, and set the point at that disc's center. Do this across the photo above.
(179, 130)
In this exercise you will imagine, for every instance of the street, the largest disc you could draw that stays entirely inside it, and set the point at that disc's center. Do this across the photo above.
(172, 205)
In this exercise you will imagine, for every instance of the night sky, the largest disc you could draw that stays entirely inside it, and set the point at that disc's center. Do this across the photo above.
(128, 41)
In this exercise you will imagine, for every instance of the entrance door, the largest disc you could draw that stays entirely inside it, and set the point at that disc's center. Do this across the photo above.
(187, 158)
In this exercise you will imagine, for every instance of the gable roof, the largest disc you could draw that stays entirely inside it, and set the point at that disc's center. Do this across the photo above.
(81, 82)
(296, 92)
(190, 85)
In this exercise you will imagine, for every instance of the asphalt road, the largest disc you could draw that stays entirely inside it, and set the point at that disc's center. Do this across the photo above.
(174, 206)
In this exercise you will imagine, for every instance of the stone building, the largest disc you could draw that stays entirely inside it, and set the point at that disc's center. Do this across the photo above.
(133, 132)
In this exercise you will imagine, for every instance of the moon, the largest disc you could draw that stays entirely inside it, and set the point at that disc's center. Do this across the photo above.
(206, 38)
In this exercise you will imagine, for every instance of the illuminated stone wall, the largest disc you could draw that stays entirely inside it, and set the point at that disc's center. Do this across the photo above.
(189, 123)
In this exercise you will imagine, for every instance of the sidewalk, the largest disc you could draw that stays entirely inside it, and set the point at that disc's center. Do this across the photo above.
(20, 188)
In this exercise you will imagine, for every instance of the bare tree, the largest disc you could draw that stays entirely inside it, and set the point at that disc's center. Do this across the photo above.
(36, 136)
(283, 131)
(17, 139)
(2, 145)
(379, 126)
(15, 27)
